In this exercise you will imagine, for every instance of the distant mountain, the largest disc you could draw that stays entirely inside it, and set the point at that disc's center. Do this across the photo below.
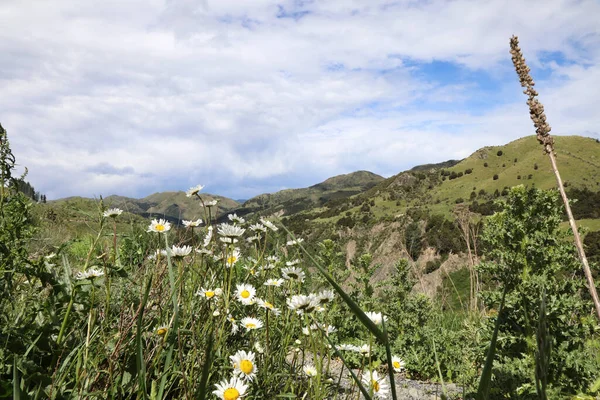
(292, 201)
(174, 206)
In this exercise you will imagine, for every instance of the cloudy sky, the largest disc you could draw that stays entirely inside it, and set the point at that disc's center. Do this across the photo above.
(251, 96)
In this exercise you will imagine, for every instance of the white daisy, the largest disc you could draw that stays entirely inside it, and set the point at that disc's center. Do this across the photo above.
(192, 224)
(233, 258)
(254, 238)
(273, 282)
(398, 364)
(291, 263)
(295, 242)
(180, 252)
(303, 304)
(272, 259)
(204, 251)
(208, 236)
(233, 389)
(325, 297)
(258, 227)
(159, 226)
(112, 212)
(364, 349)
(309, 370)
(234, 325)
(194, 190)
(293, 273)
(347, 347)
(211, 203)
(251, 323)
(327, 329)
(376, 317)
(91, 273)
(209, 293)
(269, 224)
(235, 219)
(245, 293)
(230, 231)
(375, 383)
(244, 365)
(268, 306)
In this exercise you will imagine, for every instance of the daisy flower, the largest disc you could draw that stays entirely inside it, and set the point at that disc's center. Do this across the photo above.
(194, 190)
(272, 259)
(234, 325)
(364, 350)
(251, 323)
(347, 347)
(273, 282)
(302, 304)
(293, 273)
(112, 212)
(376, 317)
(230, 231)
(211, 203)
(268, 306)
(192, 224)
(209, 293)
(235, 219)
(254, 238)
(233, 258)
(204, 251)
(244, 365)
(295, 242)
(291, 263)
(325, 297)
(159, 226)
(269, 224)
(180, 252)
(377, 384)
(208, 236)
(398, 364)
(258, 227)
(245, 293)
(232, 389)
(309, 370)
(91, 273)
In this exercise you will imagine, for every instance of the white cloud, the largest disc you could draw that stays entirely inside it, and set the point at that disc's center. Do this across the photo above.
(227, 93)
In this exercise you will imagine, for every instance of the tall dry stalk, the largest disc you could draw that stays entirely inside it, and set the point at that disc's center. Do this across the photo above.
(542, 129)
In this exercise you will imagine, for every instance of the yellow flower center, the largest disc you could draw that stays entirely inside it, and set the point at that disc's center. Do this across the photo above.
(210, 294)
(269, 305)
(161, 331)
(245, 294)
(159, 227)
(231, 260)
(375, 385)
(246, 366)
(250, 325)
(231, 394)
(396, 364)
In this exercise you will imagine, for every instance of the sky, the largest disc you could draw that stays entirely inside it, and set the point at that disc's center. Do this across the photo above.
(253, 96)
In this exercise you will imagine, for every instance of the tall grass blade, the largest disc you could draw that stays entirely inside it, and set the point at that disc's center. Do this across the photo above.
(437, 364)
(16, 381)
(139, 361)
(483, 391)
(362, 317)
(388, 352)
(206, 367)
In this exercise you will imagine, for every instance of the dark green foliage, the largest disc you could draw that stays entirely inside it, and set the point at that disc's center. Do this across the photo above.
(468, 171)
(535, 166)
(485, 165)
(499, 153)
(584, 203)
(528, 253)
(487, 208)
(346, 222)
(459, 200)
(518, 176)
(413, 239)
(495, 177)
(443, 235)
(453, 175)
(473, 196)
(592, 246)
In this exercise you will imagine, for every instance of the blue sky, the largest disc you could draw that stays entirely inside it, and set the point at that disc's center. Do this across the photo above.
(246, 97)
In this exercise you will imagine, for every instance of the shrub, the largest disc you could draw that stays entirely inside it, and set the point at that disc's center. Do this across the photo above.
(485, 164)
(518, 176)
(535, 166)
(459, 200)
(495, 177)
(468, 171)
(499, 153)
